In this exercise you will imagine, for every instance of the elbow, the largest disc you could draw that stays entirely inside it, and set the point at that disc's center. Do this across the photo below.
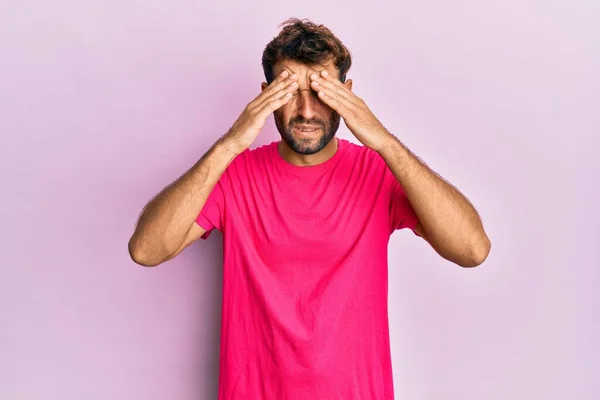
(141, 257)
(478, 253)
(144, 262)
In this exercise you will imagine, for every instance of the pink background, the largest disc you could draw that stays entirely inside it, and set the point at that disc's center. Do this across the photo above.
(102, 104)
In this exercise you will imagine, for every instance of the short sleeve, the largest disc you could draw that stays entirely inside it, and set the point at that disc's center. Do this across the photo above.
(211, 215)
(402, 214)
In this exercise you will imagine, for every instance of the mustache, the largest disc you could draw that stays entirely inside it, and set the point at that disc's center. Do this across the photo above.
(308, 122)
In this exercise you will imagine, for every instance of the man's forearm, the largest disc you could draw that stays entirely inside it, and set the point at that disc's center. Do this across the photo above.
(166, 220)
(449, 219)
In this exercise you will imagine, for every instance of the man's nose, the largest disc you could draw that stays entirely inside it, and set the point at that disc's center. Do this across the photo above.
(307, 102)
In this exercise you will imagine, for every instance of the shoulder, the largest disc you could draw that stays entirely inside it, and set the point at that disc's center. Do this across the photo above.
(259, 153)
(364, 157)
(249, 162)
(251, 155)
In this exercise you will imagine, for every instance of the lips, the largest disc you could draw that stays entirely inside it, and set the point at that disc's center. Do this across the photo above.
(307, 132)
(307, 127)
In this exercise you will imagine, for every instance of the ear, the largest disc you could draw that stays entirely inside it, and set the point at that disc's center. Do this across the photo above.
(348, 84)
(263, 86)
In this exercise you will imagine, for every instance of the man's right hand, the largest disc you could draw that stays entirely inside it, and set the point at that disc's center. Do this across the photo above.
(245, 130)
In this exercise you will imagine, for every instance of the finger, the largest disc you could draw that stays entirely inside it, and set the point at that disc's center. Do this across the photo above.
(277, 88)
(284, 79)
(277, 84)
(328, 92)
(287, 88)
(334, 100)
(334, 84)
(274, 103)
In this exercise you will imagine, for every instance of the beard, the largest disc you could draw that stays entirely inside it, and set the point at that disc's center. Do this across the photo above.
(305, 146)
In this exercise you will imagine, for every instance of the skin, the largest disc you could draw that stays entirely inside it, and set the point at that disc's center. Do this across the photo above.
(448, 221)
(166, 225)
(305, 107)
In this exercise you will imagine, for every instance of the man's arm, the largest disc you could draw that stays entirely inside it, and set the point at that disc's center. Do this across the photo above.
(448, 221)
(166, 225)
(452, 225)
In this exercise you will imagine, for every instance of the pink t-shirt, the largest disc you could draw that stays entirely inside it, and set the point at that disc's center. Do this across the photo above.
(305, 277)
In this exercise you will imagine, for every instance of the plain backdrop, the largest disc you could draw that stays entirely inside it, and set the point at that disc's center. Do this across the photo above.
(104, 103)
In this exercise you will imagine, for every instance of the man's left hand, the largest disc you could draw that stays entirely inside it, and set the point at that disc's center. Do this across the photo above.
(358, 117)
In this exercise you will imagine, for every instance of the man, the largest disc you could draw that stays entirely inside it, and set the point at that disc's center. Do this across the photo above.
(306, 223)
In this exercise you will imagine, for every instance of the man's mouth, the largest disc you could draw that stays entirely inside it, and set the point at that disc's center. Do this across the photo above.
(306, 128)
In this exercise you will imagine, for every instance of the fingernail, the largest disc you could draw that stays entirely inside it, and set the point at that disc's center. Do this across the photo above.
(284, 74)
(325, 73)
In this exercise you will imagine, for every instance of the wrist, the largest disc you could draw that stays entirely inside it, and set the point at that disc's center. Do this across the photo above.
(386, 142)
(230, 144)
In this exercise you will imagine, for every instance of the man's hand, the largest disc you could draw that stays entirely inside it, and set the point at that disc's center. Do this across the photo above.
(245, 130)
(357, 116)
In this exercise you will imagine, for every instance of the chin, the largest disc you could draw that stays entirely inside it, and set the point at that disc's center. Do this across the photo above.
(308, 146)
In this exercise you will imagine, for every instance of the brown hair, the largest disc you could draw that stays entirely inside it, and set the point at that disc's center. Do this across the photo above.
(307, 43)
